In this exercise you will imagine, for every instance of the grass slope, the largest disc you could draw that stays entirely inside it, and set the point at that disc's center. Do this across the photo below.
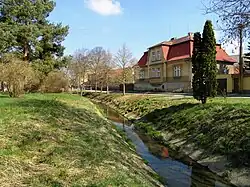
(222, 126)
(62, 140)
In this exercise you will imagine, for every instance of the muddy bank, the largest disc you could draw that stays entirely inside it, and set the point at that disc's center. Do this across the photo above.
(213, 135)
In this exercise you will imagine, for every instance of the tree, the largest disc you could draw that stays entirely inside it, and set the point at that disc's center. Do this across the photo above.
(204, 64)
(97, 60)
(209, 53)
(198, 68)
(31, 33)
(232, 14)
(123, 60)
(79, 67)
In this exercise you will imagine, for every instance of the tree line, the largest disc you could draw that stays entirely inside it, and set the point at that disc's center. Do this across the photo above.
(101, 68)
(32, 54)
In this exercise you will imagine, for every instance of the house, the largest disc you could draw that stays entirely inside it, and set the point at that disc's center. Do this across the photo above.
(167, 66)
(113, 79)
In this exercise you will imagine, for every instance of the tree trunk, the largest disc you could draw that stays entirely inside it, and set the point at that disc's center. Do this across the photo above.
(107, 89)
(78, 87)
(124, 88)
(204, 100)
(101, 88)
(2, 86)
(81, 91)
(25, 52)
(95, 86)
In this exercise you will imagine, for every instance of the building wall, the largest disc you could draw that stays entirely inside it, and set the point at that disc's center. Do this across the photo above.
(246, 84)
(184, 81)
(230, 83)
(156, 80)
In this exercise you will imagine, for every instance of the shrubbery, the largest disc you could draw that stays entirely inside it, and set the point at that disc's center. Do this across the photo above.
(55, 82)
(16, 74)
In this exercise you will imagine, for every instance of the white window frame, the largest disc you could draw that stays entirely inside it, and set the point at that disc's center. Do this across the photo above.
(153, 55)
(156, 72)
(142, 74)
(177, 71)
(158, 55)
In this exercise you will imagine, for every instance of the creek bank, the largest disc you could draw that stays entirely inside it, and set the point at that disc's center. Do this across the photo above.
(64, 140)
(216, 135)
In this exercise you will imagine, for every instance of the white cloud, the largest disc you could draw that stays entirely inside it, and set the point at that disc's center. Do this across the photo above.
(104, 7)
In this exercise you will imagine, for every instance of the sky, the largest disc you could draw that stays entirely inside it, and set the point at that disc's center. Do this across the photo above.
(137, 23)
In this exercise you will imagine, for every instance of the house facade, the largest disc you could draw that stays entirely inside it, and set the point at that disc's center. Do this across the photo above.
(167, 66)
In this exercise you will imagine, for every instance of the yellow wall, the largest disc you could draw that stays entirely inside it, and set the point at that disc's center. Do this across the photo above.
(229, 81)
(246, 83)
(153, 79)
(186, 70)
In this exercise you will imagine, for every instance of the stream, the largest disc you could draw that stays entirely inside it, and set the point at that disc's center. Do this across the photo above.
(175, 169)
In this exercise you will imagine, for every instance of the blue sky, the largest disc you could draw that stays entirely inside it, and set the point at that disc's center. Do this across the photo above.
(138, 23)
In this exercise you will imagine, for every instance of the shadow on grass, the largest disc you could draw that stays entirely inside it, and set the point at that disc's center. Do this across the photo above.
(4, 95)
(157, 114)
(214, 133)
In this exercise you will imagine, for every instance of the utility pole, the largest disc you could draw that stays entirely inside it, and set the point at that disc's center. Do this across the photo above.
(241, 78)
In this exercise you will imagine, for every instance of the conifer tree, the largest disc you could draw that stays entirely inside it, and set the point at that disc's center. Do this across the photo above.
(204, 64)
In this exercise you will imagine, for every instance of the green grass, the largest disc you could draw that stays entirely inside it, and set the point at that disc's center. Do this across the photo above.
(222, 126)
(63, 140)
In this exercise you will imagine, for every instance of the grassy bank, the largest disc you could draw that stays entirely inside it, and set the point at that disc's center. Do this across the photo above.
(220, 127)
(62, 140)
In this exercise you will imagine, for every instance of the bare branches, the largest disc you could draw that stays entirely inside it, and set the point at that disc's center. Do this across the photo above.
(124, 57)
(124, 60)
(232, 15)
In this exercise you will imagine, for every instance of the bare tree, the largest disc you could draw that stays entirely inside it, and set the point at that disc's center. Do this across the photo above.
(124, 60)
(234, 21)
(107, 67)
(97, 61)
(79, 68)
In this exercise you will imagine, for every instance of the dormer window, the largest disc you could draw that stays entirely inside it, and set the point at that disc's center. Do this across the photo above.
(153, 56)
(158, 55)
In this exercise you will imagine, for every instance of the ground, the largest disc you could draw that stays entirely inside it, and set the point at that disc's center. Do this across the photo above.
(62, 140)
(219, 128)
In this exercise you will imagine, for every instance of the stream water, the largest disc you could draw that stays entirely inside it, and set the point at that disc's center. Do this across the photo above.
(176, 169)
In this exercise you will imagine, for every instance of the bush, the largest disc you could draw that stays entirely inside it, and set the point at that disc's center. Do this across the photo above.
(16, 74)
(55, 82)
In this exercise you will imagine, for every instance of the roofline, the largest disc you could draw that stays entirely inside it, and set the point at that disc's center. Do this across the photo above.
(157, 45)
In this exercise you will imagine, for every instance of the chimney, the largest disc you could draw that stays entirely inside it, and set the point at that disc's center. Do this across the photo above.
(173, 39)
(190, 34)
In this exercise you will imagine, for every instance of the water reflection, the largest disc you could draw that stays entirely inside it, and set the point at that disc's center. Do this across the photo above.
(175, 170)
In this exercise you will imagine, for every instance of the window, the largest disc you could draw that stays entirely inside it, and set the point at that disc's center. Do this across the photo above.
(177, 71)
(158, 55)
(142, 74)
(155, 72)
(158, 72)
(153, 56)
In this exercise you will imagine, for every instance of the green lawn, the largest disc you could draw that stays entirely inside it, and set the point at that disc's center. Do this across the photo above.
(62, 140)
(222, 126)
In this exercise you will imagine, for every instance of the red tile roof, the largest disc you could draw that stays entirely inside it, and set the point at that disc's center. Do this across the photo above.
(222, 56)
(182, 48)
(143, 61)
(179, 51)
